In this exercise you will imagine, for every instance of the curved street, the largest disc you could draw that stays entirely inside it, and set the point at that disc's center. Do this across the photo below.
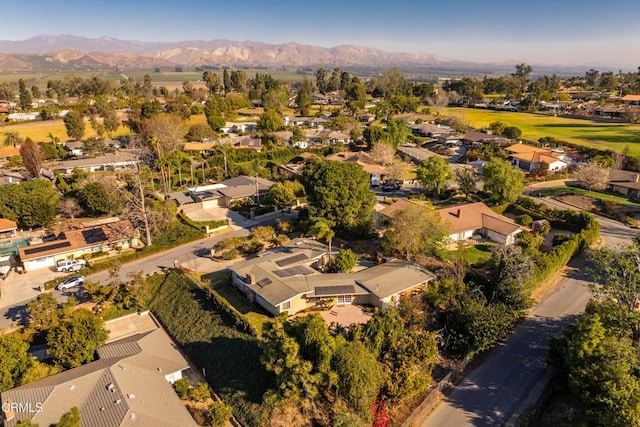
(515, 373)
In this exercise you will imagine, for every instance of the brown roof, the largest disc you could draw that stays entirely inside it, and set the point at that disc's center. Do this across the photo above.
(399, 205)
(524, 148)
(360, 158)
(9, 152)
(80, 238)
(631, 98)
(474, 216)
(7, 225)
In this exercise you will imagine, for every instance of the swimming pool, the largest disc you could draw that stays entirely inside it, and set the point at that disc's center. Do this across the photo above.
(12, 245)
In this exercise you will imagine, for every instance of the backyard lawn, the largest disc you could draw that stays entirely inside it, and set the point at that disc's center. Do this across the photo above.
(563, 190)
(478, 254)
(603, 136)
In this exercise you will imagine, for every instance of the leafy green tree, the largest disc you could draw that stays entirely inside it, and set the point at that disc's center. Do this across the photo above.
(619, 276)
(502, 181)
(70, 419)
(75, 340)
(600, 371)
(74, 123)
(220, 413)
(15, 360)
(43, 312)
(361, 376)
(281, 356)
(304, 98)
(216, 122)
(200, 132)
(344, 261)
(212, 82)
(511, 132)
(96, 198)
(373, 134)
(466, 180)
(27, 423)
(510, 269)
(434, 173)
(316, 344)
(110, 121)
(31, 204)
(25, 95)
(201, 392)
(413, 232)
(270, 121)
(286, 193)
(340, 193)
(397, 132)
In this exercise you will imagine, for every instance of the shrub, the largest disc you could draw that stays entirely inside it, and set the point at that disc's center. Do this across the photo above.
(219, 413)
(201, 392)
(524, 219)
(344, 261)
(182, 387)
(230, 254)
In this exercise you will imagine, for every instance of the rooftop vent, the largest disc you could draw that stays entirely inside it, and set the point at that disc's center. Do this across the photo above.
(111, 387)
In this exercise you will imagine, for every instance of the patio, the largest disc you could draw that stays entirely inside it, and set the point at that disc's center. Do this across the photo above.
(344, 315)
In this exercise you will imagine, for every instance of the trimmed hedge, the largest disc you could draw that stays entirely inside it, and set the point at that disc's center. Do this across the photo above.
(201, 225)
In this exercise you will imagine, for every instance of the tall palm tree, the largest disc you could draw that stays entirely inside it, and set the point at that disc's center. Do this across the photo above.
(322, 230)
(13, 139)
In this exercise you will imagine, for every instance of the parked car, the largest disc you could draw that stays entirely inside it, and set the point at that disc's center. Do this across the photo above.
(391, 186)
(70, 265)
(71, 282)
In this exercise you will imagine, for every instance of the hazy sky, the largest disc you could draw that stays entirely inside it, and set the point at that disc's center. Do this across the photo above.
(565, 32)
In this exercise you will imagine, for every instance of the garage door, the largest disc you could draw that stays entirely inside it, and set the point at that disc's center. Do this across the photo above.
(35, 264)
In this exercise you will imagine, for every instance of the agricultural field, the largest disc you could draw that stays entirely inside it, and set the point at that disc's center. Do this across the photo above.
(599, 135)
(39, 130)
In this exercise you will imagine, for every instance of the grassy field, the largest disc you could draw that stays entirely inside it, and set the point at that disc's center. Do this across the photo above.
(603, 136)
(39, 130)
(562, 189)
(477, 254)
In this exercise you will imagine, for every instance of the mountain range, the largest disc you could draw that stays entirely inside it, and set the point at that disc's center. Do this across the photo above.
(68, 52)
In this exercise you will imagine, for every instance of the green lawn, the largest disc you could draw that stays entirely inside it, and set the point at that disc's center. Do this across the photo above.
(603, 136)
(477, 254)
(563, 189)
(220, 283)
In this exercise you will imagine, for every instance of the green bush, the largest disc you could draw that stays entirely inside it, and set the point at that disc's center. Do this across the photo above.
(230, 254)
(182, 387)
(201, 392)
(219, 413)
(524, 219)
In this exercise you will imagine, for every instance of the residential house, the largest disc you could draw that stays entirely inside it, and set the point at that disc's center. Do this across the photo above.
(312, 122)
(295, 166)
(631, 99)
(461, 222)
(287, 280)
(431, 131)
(226, 192)
(366, 118)
(117, 160)
(376, 172)
(75, 243)
(74, 148)
(626, 183)
(21, 117)
(411, 118)
(241, 127)
(128, 385)
(8, 228)
(531, 159)
(474, 138)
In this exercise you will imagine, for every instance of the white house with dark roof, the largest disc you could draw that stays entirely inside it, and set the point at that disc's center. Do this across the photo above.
(128, 385)
(288, 279)
(117, 160)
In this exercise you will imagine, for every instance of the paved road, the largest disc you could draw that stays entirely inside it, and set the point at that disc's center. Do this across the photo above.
(513, 376)
(194, 255)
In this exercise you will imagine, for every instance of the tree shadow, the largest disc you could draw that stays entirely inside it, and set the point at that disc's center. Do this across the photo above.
(510, 376)
(17, 314)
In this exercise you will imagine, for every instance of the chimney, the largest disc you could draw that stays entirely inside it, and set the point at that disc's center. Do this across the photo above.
(8, 410)
(459, 213)
(251, 278)
(634, 177)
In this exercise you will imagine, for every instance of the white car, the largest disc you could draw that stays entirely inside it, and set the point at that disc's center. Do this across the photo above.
(71, 282)
(70, 265)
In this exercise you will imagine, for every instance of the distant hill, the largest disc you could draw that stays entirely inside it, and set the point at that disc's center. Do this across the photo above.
(67, 52)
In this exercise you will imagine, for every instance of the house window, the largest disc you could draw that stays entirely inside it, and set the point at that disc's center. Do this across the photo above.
(285, 306)
(344, 299)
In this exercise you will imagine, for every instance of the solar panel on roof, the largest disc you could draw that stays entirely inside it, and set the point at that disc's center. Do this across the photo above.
(335, 290)
(59, 245)
(94, 235)
(264, 282)
(292, 260)
(292, 271)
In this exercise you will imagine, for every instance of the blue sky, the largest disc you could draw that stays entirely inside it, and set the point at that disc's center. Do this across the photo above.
(566, 32)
